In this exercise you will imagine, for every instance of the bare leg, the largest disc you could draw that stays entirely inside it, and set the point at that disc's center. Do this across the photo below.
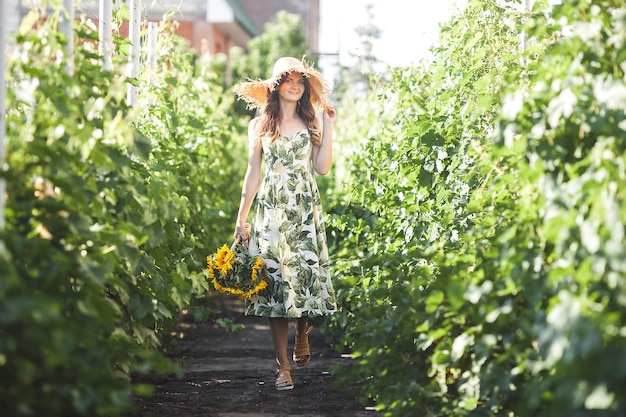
(301, 325)
(279, 329)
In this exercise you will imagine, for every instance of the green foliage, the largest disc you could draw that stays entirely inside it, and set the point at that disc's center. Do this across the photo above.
(361, 77)
(284, 37)
(569, 127)
(476, 216)
(79, 307)
(110, 214)
(195, 167)
(482, 272)
(416, 177)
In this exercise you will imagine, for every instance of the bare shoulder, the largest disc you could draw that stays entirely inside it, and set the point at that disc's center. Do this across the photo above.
(254, 124)
(254, 127)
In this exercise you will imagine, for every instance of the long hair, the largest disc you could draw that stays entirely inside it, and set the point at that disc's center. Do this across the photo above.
(269, 114)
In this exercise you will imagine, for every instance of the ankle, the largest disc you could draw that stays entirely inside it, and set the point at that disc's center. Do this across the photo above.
(301, 326)
(282, 367)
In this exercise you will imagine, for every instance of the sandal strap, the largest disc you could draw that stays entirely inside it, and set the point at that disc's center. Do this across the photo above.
(301, 346)
(307, 331)
(286, 368)
(283, 380)
(302, 349)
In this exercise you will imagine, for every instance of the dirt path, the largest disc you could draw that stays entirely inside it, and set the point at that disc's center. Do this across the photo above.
(232, 375)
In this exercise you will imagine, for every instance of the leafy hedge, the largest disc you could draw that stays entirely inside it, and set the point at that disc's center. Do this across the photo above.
(479, 244)
(480, 241)
(110, 213)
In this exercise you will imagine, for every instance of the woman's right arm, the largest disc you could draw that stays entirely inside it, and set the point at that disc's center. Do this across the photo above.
(251, 180)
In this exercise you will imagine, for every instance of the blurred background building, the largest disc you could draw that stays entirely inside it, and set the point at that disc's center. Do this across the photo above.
(212, 26)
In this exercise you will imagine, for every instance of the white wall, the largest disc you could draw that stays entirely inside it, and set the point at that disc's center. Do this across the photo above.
(12, 18)
(218, 11)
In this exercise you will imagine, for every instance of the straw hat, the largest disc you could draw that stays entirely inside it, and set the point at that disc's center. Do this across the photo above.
(255, 92)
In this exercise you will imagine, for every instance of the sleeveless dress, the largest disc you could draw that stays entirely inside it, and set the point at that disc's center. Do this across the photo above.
(288, 232)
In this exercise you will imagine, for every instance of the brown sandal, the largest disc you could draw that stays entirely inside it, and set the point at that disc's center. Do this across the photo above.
(283, 379)
(301, 350)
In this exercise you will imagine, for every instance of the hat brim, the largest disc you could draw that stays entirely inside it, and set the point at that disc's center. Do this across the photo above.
(255, 92)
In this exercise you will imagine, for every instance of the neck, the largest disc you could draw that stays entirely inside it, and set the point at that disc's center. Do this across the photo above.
(288, 111)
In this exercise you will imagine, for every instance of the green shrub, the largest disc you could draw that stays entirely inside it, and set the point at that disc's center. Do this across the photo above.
(78, 310)
(492, 280)
(110, 213)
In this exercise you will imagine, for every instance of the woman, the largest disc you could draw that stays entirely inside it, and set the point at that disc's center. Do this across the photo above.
(290, 141)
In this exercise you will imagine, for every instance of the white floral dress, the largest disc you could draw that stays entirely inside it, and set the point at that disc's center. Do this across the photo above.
(288, 232)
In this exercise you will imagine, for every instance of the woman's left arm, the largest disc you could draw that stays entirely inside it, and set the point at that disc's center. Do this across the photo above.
(322, 154)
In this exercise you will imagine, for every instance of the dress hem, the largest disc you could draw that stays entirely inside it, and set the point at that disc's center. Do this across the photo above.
(291, 317)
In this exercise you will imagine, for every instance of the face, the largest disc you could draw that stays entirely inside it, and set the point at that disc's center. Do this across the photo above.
(293, 87)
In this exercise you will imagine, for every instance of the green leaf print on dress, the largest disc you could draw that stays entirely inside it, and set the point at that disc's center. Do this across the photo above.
(288, 232)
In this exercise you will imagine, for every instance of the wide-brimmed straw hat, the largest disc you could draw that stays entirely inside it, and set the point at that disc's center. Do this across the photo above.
(255, 92)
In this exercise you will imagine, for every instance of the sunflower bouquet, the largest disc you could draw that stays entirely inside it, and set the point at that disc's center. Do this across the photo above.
(234, 271)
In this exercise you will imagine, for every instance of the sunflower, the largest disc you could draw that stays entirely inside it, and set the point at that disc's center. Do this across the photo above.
(256, 268)
(234, 271)
(224, 260)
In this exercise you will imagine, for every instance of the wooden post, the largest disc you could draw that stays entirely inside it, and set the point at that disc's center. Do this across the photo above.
(152, 45)
(527, 6)
(3, 96)
(135, 50)
(66, 26)
(105, 33)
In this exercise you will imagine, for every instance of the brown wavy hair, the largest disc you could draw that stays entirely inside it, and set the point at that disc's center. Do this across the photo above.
(269, 114)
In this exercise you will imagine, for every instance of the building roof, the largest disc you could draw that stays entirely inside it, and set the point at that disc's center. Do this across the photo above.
(243, 18)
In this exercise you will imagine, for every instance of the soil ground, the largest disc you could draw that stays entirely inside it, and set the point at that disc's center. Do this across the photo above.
(232, 374)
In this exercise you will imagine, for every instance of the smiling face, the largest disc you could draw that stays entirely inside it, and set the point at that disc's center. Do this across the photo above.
(293, 86)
